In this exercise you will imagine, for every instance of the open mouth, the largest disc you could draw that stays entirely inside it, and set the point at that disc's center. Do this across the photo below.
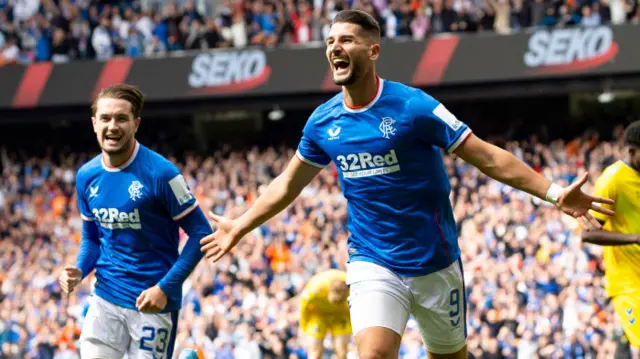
(340, 66)
(112, 139)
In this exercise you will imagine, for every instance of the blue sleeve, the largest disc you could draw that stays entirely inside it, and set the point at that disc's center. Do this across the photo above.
(175, 193)
(308, 149)
(83, 206)
(89, 251)
(436, 125)
(90, 244)
(184, 209)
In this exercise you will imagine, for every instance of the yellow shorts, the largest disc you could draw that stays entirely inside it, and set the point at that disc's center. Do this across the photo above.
(316, 326)
(628, 309)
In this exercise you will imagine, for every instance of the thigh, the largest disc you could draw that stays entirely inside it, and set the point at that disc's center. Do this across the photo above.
(440, 309)
(340, 325)
(377, 298)
(104, 332)
(315, 326)
(628, 310)
(152, 335)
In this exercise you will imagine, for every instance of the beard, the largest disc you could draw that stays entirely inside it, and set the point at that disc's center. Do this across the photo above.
(350, 79)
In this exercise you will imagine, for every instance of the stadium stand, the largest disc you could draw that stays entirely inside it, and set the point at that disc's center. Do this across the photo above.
(64, 30)
(533, 288)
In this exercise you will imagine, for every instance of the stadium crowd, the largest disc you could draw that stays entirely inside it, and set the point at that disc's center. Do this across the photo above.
(533, 289)
(63, 30)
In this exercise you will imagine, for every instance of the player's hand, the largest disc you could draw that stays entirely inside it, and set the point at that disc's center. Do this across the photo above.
(152, 300)
(222, 240)
(577, 204)
(70, 277)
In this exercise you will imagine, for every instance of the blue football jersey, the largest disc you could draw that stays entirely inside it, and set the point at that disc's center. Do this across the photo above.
(388, 155)
(136, 207)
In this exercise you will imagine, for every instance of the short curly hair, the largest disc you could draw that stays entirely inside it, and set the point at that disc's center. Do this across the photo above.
(632, 134)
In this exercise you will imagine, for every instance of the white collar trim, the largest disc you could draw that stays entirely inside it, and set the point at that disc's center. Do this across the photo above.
(368, 106)
(133, 156)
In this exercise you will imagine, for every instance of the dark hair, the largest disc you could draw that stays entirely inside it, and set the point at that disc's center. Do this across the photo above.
(361, 18)
(632, 134)
(125, 92)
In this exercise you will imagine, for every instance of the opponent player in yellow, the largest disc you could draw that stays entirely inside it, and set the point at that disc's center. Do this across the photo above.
(324, 308)
(620, 235)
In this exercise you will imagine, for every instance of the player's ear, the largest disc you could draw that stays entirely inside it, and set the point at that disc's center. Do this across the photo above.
(374, 51)
(137, 121)
(93, 123)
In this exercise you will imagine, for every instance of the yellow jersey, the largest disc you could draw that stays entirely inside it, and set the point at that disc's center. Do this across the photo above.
(622, 263)
(315, 295)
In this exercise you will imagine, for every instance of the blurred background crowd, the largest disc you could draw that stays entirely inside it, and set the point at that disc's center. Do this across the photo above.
(534, 291)
(64, 30)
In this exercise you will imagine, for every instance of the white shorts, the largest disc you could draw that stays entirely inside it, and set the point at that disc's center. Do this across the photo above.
(111, 332)
(380, 298)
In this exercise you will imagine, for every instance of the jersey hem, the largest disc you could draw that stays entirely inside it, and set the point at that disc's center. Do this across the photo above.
(421, 272)
(123, 304)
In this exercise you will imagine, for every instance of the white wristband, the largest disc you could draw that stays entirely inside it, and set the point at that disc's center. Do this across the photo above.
(553, 193)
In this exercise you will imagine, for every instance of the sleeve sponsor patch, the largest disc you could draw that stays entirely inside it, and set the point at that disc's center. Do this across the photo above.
(180, 189)
(447, 117)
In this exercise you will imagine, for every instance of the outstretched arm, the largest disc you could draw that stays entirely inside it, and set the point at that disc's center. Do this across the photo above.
(607, 238)
(503, 166)
(277, 196)
(507, 168)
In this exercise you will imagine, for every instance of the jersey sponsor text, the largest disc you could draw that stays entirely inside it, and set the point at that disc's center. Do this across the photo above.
(364, 164)
(113, 218)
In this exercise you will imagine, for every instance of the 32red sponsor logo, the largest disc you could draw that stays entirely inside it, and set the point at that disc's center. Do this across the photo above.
(228, 71)
(570, 50)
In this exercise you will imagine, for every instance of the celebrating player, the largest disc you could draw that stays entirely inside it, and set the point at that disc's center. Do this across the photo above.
(323, 307)
(132, 201)
(386, 140)
(621, 235)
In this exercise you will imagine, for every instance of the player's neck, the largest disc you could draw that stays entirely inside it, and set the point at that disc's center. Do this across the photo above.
(117, 160)
(627, 161)
(363, 92)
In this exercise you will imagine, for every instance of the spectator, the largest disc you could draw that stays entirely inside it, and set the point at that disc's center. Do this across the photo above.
(212, 37)
(589, 17)
(156, 48)
(60, 48)
(195, 37)
(10, 52)
(239, 23)
(102, 41)
(134, 43)
(420, 23)
(502, 10)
